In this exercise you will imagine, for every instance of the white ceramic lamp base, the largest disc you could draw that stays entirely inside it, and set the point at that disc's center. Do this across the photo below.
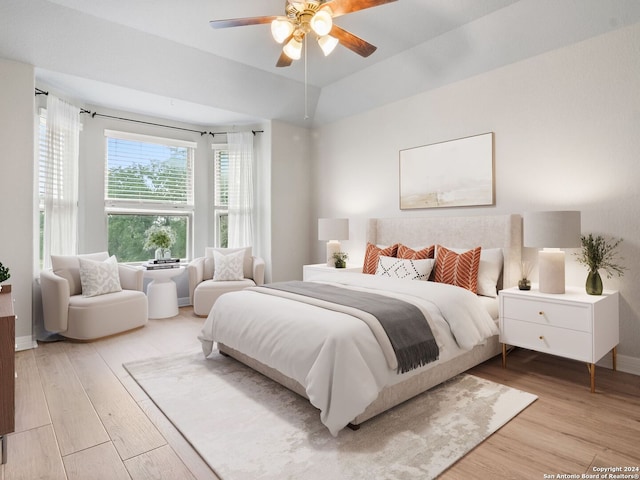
(551, 270)
(333, 246)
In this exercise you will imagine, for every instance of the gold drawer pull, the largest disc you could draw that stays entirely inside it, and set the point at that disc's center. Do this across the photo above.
(541, 313)
(541, 337)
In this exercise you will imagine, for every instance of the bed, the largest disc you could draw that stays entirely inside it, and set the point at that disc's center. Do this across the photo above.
(334, 359)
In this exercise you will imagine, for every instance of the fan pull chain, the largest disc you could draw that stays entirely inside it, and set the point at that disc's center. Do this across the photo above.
(306, 111)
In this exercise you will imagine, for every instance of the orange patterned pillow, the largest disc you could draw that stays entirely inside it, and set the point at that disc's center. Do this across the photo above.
(410, 254)
(373, 253)
(460, 269)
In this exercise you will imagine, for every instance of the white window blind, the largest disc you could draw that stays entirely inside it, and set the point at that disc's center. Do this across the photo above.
(43, 178)
(50, 175)
(142, 169)
(221, 178)
(221, 194)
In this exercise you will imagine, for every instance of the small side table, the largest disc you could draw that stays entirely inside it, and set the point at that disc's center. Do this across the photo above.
(571, 325)
(311, 271)
(162, 293)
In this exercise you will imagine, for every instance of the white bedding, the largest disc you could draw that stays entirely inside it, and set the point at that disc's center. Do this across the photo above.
(333, 355)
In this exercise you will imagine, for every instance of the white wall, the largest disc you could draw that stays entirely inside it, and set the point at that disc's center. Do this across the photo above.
(567, 136)
(16, 185)
(291, 222)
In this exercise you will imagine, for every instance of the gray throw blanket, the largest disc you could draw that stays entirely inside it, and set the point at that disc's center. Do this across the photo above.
(405, 325)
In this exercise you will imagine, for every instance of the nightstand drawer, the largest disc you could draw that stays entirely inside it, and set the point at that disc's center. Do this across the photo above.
(575, 317)
(548, 339)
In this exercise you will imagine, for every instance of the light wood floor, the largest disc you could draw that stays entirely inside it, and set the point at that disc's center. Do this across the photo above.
(80, 416)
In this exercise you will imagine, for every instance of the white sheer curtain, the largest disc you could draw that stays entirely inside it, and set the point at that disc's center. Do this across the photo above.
(240, 189)
(61, 179)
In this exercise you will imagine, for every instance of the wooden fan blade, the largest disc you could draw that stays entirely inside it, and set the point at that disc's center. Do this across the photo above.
(353, 43)
(241, 22)
(284, 60)
(342, 7)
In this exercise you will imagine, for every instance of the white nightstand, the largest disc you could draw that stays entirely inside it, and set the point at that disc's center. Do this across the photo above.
(571, 325)
(311, 271)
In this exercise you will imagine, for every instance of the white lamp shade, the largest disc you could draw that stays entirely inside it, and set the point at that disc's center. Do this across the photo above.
(551, 231)
(327, 44)
(559, 229)
(321, 23)
(281, 28)
(293, 49)
(333, 229)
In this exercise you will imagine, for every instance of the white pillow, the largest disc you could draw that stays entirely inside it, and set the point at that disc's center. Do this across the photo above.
(228, 267)
(393, 267)
(209, 263)
(491, 261)
(98, 278)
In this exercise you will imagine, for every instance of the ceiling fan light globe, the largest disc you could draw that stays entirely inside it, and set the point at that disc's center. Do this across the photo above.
(321, 22)
(281, 28)
(327, 44)
(293, 49)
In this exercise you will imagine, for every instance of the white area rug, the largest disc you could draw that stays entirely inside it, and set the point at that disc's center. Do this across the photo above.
(245, 426)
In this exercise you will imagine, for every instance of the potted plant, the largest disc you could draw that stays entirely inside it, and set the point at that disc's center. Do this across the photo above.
(160, 239)
(4, 274)
(341, 259)
(599, 253)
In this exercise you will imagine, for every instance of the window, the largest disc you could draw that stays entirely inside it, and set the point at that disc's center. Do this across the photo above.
(57, 181)
(42, 159)
(221, 195)
(148, 181)
(234, 191)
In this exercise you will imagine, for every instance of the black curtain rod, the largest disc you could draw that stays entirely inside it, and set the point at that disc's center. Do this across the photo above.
(213, 134)
(96, 114)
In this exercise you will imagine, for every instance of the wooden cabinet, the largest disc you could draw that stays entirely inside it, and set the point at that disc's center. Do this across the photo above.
(572, 325)
(7, 367)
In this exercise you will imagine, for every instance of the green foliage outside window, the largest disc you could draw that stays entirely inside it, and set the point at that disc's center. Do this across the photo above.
(127, 235)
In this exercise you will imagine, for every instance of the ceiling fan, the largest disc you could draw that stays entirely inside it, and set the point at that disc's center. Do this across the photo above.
(304, 17)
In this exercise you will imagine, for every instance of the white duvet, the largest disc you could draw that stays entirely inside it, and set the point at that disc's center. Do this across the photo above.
(335, 356)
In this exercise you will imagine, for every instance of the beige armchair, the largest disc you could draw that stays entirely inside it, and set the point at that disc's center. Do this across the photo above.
(69, 313)
(204, 290)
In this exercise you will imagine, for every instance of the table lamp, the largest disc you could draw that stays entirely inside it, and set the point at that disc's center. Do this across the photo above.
(551, 231)
(333, 230)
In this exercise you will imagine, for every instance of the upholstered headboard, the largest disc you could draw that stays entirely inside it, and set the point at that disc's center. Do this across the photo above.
(491, 231)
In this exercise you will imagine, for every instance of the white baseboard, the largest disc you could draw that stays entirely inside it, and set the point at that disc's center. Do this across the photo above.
(25, 343)
(625, 363)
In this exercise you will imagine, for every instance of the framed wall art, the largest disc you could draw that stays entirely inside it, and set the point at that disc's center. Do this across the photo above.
(455, 173)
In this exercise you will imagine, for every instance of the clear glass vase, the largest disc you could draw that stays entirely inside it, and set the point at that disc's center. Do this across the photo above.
(594, 283)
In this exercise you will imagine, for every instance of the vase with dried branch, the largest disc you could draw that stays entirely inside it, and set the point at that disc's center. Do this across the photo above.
(599, 253)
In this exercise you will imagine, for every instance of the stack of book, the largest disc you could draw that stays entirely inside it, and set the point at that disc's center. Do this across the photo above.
(159, 263)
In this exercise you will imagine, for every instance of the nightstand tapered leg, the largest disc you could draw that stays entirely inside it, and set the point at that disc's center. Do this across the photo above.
(504, 355)
(592, 373)
(614, 358)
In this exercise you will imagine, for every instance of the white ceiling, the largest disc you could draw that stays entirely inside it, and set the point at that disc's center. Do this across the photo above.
(187, 23)
(161, 57)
